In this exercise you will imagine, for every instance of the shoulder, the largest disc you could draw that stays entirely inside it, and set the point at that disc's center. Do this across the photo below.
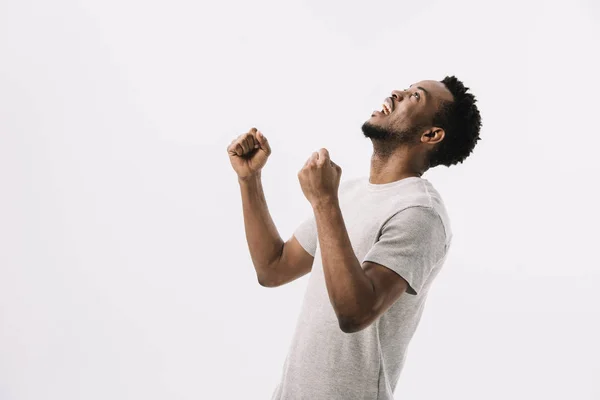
(419, 225)
(416, 215)
(421, 203)
(433, 199)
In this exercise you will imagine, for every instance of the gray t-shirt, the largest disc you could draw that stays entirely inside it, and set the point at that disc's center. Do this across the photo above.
(402, 225)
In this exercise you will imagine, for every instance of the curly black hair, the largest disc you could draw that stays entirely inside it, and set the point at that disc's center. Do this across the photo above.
(461, 121)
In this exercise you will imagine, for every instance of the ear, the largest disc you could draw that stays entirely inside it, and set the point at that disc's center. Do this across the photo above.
(433, 135)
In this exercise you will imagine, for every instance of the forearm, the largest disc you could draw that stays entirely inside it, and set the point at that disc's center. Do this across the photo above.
(264, 242)
(350, 290)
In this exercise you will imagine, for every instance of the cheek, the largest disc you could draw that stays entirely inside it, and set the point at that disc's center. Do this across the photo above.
(412, 118)
(421, 117)
(398, 120)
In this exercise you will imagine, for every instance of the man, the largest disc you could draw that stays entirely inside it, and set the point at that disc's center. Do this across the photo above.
(374, 245)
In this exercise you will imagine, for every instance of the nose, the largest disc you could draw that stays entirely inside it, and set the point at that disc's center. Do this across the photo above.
(397, 94)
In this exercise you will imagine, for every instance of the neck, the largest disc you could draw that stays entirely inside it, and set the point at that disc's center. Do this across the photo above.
(390, 166)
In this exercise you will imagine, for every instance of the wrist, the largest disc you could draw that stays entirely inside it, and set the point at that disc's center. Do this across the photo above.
(325, 203)
(250, 178)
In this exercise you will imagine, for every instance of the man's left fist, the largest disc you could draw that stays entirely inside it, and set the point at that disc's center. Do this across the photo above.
(320, 178)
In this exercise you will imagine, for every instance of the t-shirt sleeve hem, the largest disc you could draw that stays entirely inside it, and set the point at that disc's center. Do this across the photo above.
(305, 246)
(410, 289)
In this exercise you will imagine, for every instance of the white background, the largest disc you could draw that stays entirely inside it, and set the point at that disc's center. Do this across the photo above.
(124, 270)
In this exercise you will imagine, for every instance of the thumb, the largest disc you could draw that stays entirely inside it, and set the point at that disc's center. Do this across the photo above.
(335, 165)
(264, 143)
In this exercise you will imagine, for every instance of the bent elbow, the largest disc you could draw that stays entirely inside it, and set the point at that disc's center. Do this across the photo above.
(264, 281)
(350, 325)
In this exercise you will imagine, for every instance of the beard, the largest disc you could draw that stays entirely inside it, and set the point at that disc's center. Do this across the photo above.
(381, 134)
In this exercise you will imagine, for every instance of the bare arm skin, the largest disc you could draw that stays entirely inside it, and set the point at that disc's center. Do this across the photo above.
(358, 296)
(358, 293)
(276, 262)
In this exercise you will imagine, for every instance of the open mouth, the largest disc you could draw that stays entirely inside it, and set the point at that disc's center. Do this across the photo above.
(388, 106)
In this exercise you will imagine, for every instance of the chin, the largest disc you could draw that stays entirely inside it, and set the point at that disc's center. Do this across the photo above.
(373, 130)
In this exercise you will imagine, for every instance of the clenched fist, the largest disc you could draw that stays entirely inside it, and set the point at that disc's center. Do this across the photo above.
(248, 153)
(320, 178)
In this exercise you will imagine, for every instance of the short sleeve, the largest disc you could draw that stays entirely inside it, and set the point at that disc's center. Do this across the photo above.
(411, 243)
(306, 234)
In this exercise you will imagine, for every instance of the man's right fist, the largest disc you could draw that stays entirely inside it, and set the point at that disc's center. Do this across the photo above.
(248, 153)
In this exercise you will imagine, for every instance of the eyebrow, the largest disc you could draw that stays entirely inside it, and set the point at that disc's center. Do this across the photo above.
(423, 89)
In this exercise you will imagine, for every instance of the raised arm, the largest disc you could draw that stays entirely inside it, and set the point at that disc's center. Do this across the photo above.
(276, 262)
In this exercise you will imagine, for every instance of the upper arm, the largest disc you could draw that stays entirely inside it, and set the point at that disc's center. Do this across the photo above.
(388, 286)
(297, 256)
(411, 244)
(409, 247)
(294, 263)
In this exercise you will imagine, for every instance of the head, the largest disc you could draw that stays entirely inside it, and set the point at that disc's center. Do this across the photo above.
(438, 121)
